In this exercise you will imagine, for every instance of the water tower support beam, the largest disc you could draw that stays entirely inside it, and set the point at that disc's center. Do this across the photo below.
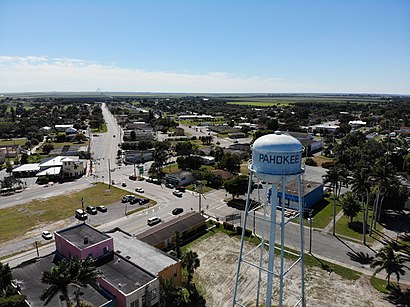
(302, 248)
(271, 261)
(282, 243)
(243, 236)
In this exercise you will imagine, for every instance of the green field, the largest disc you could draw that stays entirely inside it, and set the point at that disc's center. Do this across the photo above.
(17, 220)
(259, 103)
(20, 141)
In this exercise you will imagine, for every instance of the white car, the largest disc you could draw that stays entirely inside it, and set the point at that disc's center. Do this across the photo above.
(47, 235)
(139, 190)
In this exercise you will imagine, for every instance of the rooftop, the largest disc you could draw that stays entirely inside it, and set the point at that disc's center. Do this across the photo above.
(28, 276)
(76, 234)
(27, 167)
(125, 275)
(144, 255)
(166, 230)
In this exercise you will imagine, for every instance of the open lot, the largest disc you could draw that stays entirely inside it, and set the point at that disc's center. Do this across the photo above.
(216, 277)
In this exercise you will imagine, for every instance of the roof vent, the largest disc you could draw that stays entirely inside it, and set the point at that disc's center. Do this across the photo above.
(85, 240)
(119, 285)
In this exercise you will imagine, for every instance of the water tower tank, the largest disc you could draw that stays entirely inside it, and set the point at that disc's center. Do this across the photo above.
(276, 155)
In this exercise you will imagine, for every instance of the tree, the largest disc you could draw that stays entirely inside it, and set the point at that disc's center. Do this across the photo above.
(391, 262)
(58, 279)
(184, 148)
(230, 162)
(9, 296)
(237, 185)
(70, 271)
(190, 262)
(217, 152)
(47, 148)
(159, 156)
(350, 206)
(361, 186)
(334, 177)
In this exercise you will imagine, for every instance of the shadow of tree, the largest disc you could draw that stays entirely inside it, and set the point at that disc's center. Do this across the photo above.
(357, 227)
(398, 297)
(323, 265)
(360, 257)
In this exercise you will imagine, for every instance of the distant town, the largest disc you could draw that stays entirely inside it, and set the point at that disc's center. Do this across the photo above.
(144, 199)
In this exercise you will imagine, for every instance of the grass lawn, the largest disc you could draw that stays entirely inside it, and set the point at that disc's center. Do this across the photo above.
(320, 159)
(103, 129)
(17, 220)
(244, 170)
(21, 142)
(259, 103)
(171, 168)
(354, 230)
(323, 217)
(36, 158)
(205, 189)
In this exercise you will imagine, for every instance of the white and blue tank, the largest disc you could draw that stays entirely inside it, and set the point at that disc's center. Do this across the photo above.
(275, 156)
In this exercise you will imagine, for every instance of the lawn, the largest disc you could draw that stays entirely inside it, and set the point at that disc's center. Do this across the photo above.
(259, 103)
(320, 159)
(103, 129)
(205, 189)
(171, 168)
(20, 141)
(323, 217)
(17, 220)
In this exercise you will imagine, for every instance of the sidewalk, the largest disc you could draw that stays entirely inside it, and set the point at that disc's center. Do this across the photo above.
(330, 225)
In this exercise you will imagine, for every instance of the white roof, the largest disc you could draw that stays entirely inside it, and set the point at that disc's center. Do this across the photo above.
(27, 167)
(57, 161)
(50, 171)
(64, 126)
(357, 122)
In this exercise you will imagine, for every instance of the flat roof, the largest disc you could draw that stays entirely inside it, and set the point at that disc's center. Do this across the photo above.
(50, 171)
(31, 167)
(144, 255)
(76, 234)
(29, 278)
(166, 230)
(125, 275)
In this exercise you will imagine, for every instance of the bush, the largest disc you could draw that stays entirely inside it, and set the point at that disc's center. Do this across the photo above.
(328, 164)
(228, 226)
(310, 162)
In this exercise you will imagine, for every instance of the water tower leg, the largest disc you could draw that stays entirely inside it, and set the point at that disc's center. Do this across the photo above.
(302, 249)
(271, 261)
(243, 238)
(282, 243)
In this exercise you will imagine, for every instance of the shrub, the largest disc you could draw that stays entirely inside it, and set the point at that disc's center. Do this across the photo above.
(328, 164)
(310, 162)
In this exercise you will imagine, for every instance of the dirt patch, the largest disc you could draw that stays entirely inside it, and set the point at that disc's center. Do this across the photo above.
(216, 276)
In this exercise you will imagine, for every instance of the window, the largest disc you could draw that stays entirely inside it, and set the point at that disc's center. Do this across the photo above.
(135, 303)
(105, 250)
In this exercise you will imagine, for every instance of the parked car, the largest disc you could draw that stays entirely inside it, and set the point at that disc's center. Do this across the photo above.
(124, 184)
(136, 200)
(139, 190)
(127, 198)
(177, 193)
(156, 181)
(80, 214)
(102, 208)
(47, 235)
(91, 210)
(180, 188)
(177, 211)
(149, 180)
(144, 201)
(169, 185)
(153, 221)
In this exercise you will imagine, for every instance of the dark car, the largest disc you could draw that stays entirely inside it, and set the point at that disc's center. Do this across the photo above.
(177, 211)
(177, 193)
(135, 200)
(169, 185)
(102, 208)
(180, 188)
(144, 201)
(91, 210)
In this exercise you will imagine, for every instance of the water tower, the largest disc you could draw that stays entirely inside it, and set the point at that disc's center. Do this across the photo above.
(276, 161)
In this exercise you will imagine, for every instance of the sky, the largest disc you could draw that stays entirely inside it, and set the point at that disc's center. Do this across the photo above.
(205, 46)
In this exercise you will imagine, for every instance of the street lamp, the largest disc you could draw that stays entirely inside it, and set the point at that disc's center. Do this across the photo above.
(310, 221)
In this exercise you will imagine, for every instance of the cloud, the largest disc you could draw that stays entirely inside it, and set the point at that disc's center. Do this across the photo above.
(40, 73)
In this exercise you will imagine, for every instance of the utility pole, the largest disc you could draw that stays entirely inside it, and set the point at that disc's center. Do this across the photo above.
(109, 174)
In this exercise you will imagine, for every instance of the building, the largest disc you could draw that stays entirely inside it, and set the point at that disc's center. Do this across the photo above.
(2, 155)
(11, 150)
(139, 135)
(163, 235)
(196, 117)
(56, 167)
(130, 268)
(179, 131)
(180, 178)
(357, 124)
(310, 144)
(62, 128)
(138, 156)
(312, 193)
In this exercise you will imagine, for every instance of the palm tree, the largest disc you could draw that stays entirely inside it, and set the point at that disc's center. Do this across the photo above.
(335, 176)
(58, 278)
(83, 273)
(71, 271)
(190, 262)
(361, 186)
(391, 262)
(384, 177)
